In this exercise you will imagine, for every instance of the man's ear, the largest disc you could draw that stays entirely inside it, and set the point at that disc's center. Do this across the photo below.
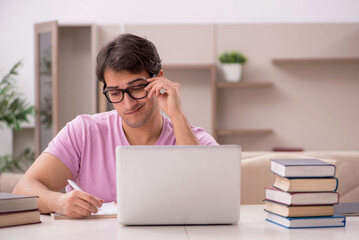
(160, 74)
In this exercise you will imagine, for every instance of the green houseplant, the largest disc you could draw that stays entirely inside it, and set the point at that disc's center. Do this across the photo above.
(231, 63)
(14, 109)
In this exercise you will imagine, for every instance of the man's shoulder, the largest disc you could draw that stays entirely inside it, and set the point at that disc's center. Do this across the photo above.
(98, 117)
(99, 120)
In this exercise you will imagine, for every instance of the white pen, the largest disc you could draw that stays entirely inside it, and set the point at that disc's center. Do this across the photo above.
(76, 187)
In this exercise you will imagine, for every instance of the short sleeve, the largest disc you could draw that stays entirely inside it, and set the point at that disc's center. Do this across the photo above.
(67, 145)
(203, 137)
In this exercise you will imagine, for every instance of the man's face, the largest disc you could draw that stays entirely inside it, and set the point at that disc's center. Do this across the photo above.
(134, 112)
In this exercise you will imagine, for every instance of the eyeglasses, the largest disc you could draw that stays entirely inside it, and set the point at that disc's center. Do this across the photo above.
(117, 95)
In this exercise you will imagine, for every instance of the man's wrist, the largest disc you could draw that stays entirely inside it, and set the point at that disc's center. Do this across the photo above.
(178, 117)
(52, 201)
(183, 131)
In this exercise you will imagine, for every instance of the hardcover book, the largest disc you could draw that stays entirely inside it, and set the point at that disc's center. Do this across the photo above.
(298, 211)
(19, 218)
(302, 198)
(302, 168)
(306, 184)
(307, 222)
(10, 202)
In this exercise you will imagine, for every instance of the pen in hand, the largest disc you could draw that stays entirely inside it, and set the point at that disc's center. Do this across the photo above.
(76, 187)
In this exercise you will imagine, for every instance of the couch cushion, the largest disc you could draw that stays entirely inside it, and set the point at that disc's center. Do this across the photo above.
(9, 180)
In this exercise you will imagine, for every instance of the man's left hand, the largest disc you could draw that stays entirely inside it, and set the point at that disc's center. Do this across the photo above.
(168, 95)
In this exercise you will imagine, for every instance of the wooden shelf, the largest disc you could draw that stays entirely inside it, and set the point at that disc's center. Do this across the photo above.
(188, 66)
(239, 132)
(243, 84)
(316, 60)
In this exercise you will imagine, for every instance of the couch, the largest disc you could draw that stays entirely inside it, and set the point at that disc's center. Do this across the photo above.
(256, 174)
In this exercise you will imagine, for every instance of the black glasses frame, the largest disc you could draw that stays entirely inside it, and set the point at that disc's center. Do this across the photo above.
(126, 90)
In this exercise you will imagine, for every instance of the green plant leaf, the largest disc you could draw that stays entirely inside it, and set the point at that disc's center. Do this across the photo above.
(14, 109)
(8, 163)
(232, 57)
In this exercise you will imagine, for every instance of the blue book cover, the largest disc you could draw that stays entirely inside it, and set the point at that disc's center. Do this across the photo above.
(306, 222)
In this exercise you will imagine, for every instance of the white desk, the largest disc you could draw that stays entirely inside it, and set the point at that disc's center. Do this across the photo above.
(251, 226)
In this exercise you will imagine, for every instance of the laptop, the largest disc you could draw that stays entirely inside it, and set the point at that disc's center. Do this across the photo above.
(178, 185)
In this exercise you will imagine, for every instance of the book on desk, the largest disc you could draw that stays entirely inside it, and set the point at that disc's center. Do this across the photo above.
(18, 210)
(306, 222)
(303, 194)
(302, 168)
(299, 184)
(298, 211)
(301, 198)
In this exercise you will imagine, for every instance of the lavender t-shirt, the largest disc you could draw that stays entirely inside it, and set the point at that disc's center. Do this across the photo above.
(87, 146)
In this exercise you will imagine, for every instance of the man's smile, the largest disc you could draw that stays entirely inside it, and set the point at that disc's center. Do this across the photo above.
(135, 111)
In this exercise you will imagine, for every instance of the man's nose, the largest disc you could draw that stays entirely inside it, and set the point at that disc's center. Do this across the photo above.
(128, 101)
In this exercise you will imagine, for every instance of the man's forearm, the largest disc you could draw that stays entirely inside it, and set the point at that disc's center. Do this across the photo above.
(183, 131)
(47, 198)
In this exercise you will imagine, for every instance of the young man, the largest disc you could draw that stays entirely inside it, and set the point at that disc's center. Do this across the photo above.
(84, 150)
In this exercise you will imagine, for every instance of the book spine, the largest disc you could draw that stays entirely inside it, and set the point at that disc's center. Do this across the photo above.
(20, 224)
(276, 223)
(17, 212)
(304, 205)
(337, 184)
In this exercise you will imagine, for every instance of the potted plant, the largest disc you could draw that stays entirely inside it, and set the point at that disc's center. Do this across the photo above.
(14, 109)
(231, 63)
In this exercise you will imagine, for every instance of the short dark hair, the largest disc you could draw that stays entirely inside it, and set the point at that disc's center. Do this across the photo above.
(128, 52)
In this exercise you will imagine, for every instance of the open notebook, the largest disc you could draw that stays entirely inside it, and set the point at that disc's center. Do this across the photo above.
(108, 210)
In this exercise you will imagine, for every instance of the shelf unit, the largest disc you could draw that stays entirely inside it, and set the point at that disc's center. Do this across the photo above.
(240, 132)
(297, 61)
(236, 132)
(64, 66)
(315, 60)
(243, 84)
(188, 66)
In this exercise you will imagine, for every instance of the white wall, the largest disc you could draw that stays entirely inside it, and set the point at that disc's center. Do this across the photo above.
(17, 18)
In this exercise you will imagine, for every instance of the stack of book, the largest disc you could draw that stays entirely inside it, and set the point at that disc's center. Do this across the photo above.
(18, 210)
(303, 194)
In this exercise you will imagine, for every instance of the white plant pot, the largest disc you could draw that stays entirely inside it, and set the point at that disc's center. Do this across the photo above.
(232, 72)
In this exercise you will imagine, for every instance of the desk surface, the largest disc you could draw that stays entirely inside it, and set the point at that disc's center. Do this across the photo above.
(251, 226)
